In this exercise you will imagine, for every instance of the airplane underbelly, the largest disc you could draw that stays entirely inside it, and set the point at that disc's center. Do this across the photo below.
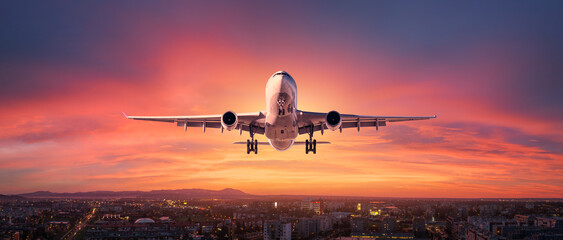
(281, 145)
(281, 128)
(281, 131)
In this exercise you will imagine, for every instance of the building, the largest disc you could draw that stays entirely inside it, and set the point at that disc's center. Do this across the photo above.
(307, 204)
(389, 224)
(419, 227)
(340, 215)
(549, 222)
(137, 231)
(525, 220)
(276, 230)
(316, 206)
(497, 228)
(383, 236)
(144, 220)
(325, 222)
(359, 225)
(306, 228)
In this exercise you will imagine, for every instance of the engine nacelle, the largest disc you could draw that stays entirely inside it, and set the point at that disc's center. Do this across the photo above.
(229, 120)
(333, 120)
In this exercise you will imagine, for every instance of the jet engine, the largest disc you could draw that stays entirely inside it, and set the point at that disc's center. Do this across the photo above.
(229, 120)
(333, 120)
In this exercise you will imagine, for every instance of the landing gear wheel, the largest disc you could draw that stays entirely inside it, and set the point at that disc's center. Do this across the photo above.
(311, 144)
(247, 146)
(255, 146)
(315, 146)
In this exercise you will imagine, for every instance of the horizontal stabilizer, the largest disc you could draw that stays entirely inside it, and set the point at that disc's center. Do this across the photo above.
(294, 143)
(303, 143)
(259, 143)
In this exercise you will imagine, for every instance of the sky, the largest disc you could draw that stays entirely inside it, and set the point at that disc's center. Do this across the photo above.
(493, 70)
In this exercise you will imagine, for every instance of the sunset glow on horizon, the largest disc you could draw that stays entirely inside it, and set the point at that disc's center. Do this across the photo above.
(492, 71)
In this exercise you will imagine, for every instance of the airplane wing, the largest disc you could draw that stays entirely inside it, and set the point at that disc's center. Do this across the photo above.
(315, 121)
(246, 121)
(294, 143)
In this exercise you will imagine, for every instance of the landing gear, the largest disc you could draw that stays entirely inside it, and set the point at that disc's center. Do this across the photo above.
(314, 146)
(251, 145)
(311, 144)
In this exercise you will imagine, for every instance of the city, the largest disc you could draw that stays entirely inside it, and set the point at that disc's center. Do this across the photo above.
(282, 217)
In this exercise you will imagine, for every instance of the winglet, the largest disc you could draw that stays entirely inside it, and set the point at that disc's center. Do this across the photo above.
(435, 116)
(124, 114)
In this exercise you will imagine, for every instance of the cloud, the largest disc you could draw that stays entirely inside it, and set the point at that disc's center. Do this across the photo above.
(68, 71)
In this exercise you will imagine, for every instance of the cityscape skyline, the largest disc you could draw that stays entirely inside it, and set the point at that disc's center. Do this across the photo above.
(225, 193)
(491, 69)
(278, 218)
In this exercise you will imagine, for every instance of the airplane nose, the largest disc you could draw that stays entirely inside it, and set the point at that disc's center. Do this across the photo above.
(281, 80)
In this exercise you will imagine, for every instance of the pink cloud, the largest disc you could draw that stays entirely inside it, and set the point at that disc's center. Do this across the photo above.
(72, 137)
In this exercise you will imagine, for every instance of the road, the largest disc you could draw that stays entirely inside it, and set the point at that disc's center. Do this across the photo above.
(72, 233)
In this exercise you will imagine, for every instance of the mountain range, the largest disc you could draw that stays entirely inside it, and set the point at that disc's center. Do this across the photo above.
(10, 197)
(227, 193)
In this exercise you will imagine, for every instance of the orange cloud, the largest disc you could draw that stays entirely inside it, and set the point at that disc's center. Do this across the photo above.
(69, 134)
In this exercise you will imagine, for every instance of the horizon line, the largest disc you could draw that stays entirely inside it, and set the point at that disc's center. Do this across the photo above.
(282, 194)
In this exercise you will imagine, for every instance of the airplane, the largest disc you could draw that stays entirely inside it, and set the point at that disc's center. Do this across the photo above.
(281, 122)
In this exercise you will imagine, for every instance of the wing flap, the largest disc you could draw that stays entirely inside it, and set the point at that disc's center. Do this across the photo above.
(199, 124)
(307, 129)
(316, 120)
(348, 117)
(246, 121)
(363, 124)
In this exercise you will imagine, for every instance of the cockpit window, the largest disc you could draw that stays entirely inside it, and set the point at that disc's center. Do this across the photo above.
(281, 73)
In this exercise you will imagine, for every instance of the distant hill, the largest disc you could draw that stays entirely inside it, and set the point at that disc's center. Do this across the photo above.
(227, 193)
(10, 197)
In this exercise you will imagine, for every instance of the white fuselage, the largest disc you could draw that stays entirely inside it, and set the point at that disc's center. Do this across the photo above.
(281, 103)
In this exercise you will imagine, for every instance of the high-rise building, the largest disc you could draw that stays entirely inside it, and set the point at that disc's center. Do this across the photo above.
(388, 224)
(325, 222)
(318, 207)
(307, 204)
(419, 227)
(359, 225)
(306, 228)
(276, 230)
(313, 205)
